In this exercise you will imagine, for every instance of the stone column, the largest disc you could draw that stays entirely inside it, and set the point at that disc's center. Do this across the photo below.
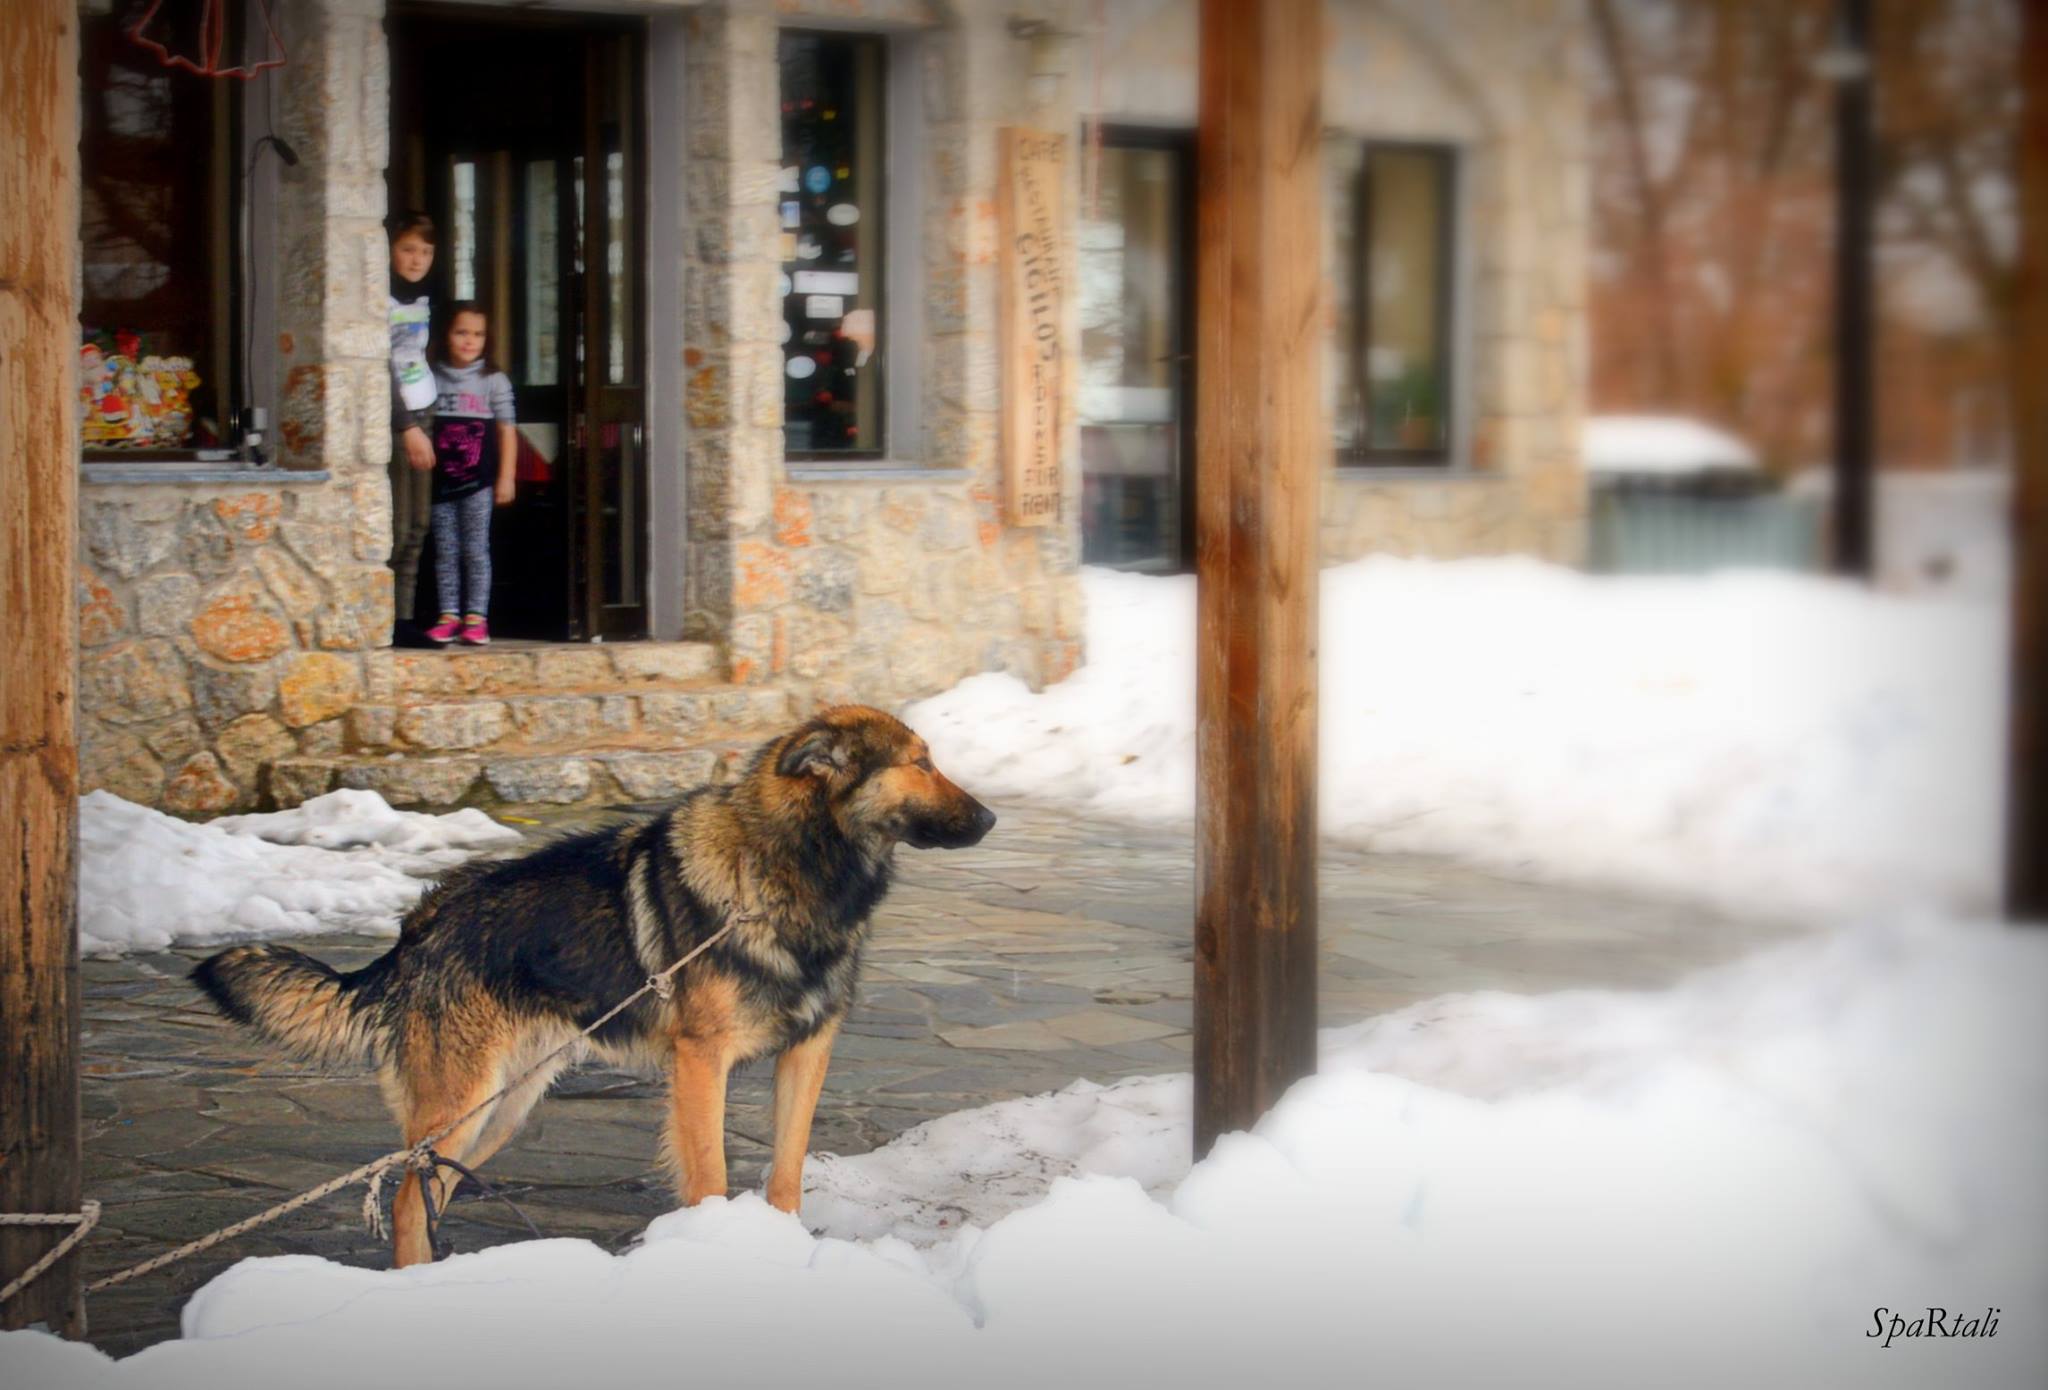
(732, 361)
(1020, 584)
(333, 341)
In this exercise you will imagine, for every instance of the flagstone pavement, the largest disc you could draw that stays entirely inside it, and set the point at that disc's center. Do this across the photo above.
(1058, 949)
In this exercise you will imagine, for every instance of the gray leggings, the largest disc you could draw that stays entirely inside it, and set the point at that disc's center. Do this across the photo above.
(462, 530)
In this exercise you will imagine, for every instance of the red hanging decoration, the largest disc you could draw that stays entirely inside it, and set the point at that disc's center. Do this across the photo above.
(213, 36)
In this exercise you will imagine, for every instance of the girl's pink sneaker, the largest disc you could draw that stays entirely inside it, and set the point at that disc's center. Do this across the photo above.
(443, 632)
(476, 631)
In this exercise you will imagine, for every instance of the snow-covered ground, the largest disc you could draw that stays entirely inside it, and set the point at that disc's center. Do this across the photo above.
(1715, 1185)
(345, 861)
(1762, 742)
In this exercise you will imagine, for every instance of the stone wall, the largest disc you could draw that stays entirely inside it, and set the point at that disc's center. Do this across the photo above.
(1498, 80)
(220, 631)
(223, 625)
(878, 584)
(1508, 94)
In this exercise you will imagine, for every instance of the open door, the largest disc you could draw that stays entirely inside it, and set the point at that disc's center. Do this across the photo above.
(538, 195)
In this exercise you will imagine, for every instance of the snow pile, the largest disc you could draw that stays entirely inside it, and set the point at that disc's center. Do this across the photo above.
(1716, 1185)
(341, 862)
(1760, 742)
(1665, 445)
(1945, 534)
(411, 840)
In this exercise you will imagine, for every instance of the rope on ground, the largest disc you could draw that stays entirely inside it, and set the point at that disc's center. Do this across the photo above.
(419, 1155)
(84, 1219)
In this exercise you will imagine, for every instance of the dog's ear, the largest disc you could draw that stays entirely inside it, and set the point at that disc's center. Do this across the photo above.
(820, 753)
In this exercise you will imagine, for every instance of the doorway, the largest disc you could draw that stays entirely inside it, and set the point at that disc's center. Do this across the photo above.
(522, 136)
(1137, 354)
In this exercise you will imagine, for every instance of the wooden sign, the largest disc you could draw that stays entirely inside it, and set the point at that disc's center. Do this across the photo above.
(1032, 233)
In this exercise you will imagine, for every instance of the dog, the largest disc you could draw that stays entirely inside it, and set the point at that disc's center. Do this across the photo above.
(502, 962)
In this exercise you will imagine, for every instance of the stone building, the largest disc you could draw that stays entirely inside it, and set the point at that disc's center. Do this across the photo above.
(757, 363)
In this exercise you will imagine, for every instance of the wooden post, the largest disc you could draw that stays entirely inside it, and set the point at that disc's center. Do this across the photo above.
(1261, 452)
(39, 1160)
(2026, 873)
(1855, 323)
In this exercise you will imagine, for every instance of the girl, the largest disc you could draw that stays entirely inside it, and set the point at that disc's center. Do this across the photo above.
(475, 450)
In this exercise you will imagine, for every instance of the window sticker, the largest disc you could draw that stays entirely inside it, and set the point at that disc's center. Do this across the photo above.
(827, 282)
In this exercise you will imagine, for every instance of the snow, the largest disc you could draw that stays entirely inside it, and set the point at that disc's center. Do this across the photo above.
(1668, 445)
(1716, 1184)
(1939, 534)
(1762, 743)
(345, 861)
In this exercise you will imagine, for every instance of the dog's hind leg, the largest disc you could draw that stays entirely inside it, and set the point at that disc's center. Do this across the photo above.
(696, 1119)
(430, 1104)
(799, 1076)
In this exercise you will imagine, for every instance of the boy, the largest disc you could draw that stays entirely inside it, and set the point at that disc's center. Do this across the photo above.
(412, 403)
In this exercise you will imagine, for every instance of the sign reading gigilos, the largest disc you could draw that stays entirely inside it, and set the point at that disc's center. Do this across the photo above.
(1030, 226)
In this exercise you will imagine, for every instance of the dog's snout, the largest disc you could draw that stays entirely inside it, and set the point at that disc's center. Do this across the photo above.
(984, 820)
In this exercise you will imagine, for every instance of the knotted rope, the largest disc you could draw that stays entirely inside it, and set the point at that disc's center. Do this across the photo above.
(419, 1156)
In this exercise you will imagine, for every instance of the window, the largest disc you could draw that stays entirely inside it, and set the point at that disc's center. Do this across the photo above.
(164, 173)
(833, 97)
(1393, 266)
(1131, 261)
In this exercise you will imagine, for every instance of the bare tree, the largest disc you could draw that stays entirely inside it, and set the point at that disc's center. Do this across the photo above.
(1713, 222)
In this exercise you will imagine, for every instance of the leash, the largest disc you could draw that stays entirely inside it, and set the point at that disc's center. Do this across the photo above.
(419, 1156)
(81, 1221)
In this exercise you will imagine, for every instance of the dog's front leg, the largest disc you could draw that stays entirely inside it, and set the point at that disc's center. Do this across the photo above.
(799, 1076)
(696, 1123)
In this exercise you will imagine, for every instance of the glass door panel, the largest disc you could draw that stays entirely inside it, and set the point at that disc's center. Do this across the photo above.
(1131, 259)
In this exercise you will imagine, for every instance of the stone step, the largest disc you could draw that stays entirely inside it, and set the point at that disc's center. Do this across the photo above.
(591, 776)
(399, 676)
(418, 723)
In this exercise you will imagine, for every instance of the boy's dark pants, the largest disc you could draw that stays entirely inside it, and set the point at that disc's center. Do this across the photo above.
(412, 511)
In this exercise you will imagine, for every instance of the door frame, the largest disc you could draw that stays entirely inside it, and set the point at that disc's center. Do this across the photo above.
(586, 616)
(597, 619)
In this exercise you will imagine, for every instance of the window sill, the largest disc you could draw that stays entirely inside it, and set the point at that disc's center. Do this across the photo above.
(877, 471)
(193, 471)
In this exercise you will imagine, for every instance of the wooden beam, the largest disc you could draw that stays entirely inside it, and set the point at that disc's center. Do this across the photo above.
(1260, 453)
(39, 1157)
(2026, 859)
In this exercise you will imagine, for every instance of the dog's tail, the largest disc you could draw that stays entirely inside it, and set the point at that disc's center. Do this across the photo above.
(311, 1010)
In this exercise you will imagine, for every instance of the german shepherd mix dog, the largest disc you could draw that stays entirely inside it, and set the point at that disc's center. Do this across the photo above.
(504, 961)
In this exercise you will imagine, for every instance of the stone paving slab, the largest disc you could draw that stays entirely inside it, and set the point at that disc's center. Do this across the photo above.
(1058, 949)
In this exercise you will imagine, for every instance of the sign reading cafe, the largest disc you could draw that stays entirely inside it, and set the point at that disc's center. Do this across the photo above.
(1029, 225)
